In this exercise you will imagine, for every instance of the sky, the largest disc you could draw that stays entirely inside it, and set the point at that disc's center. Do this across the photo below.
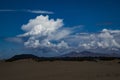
(52, 27)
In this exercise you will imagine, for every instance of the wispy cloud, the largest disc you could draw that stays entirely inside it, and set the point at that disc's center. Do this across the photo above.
(40, 12)
(14, 39)
(7, 10)
(28, 10)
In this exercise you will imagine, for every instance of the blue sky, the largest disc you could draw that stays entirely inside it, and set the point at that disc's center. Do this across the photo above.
(92, 15)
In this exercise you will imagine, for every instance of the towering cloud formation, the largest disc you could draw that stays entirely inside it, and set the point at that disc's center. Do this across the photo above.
(42, 30)
(46, 33)
(42, 26)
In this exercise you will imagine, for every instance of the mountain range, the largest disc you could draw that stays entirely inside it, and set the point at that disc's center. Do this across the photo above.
(90, 54)
(74, 56)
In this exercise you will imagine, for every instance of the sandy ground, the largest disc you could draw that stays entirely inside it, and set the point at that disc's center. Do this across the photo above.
(59, 70)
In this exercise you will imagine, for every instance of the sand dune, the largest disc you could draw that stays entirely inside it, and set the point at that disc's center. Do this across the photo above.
(60, 70)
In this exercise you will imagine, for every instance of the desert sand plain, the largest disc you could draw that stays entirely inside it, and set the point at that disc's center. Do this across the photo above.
(60, 70)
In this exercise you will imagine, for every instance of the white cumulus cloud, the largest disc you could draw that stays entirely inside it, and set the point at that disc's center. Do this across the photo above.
(43, 31)
(41, 26)
(104, 39)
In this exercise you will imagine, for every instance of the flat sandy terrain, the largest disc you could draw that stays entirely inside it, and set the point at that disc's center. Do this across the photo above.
(59, 70)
